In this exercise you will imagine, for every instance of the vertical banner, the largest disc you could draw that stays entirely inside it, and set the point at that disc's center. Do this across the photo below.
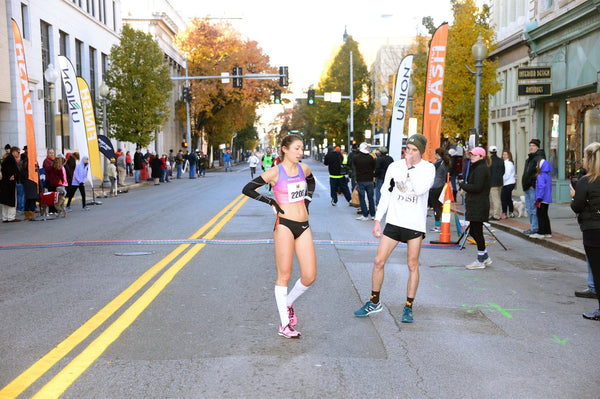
(399, 107)
(27, 106)
(90, 127)
(73, 99)
(106, 147)
(432, 117)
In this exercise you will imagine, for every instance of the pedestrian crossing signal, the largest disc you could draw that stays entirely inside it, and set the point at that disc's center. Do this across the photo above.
(283, 76)
(277, 96)
(311, 97)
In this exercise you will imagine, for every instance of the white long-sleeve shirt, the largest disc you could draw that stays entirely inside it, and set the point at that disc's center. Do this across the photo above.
(406, 205)
(509, 173)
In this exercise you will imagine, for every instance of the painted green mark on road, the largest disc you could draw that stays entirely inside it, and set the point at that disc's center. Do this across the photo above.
(436, 286)
(562, 342)
(492, 307)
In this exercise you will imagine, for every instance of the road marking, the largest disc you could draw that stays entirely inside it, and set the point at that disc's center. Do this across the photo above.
(34, 372)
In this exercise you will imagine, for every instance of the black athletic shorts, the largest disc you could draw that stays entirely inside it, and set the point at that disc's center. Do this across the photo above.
(400, 233)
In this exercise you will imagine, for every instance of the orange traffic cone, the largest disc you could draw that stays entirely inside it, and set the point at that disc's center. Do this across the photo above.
(446, 213)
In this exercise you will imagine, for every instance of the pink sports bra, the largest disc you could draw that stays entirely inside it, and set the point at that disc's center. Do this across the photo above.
(289, 189)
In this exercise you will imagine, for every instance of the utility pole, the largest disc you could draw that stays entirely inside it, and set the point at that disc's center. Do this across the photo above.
(187, 109)
(351, 102)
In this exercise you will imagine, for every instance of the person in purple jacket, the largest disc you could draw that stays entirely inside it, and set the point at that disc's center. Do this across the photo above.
(543, 198)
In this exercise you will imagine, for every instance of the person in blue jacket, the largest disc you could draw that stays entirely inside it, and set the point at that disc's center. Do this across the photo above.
(543, 198)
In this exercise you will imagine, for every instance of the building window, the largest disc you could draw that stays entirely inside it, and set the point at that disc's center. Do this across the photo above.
(114, 16)
(48, 103)
(63, 42)
(78, 57)
(25, 21)
(582, 128)
(92, 81)
(103, 7)
(551, 128)
(104, 58)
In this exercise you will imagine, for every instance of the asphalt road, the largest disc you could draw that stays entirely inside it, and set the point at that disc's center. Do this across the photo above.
(167, 292)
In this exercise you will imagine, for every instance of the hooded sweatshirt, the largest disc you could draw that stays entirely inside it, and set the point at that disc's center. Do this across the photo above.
(81, 172)
(543, 183)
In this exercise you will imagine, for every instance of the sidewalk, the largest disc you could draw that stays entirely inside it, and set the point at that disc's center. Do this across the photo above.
(566, 235)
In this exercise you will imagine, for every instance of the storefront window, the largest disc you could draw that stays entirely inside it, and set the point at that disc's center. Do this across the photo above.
(583, 127)
(551, 129)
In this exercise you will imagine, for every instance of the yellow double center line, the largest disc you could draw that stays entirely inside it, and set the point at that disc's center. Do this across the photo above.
(65, 378)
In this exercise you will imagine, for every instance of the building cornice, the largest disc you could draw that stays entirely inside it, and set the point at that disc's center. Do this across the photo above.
(565, 28)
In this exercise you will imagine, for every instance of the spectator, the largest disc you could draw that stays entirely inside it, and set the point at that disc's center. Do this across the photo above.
(586, 203)
(121, 169)
(442, 165)
(128, 163)
(543, 199)
(477, 204)
(453, 170)
(165, 169)
(192, 160)
(333, 159)
(171, 159)
(509, 181)
(79, 176)
(156, 165)
(381, 165)
(227, 160)
(6, 151)
(364, 165)
(30, 188)
(203, 164)
(47, 164)
(351, 166)
(20, 187)
(8, 185)
(179, 163)
(253, 162)
(111, 172)
(138, 164)
(72, 159)
(528, 183)
(497, 173)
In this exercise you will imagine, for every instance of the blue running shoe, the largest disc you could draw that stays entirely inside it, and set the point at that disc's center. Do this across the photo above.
(368, 308)
(407, 315)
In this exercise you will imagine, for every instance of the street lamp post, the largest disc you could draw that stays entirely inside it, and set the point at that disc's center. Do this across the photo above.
(104, 90)
(479, 51)
(412, 89)
(384, 103)
(51, 75)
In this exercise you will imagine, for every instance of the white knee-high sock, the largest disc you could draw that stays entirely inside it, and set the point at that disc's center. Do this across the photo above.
(295, 293)
(281, 299)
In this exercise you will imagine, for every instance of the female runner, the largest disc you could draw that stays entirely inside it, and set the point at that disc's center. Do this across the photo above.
(293, 185)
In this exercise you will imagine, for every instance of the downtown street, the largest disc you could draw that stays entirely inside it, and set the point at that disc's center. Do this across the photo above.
(167, 292)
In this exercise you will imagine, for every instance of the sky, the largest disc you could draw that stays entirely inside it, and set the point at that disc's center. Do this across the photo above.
(302, 35)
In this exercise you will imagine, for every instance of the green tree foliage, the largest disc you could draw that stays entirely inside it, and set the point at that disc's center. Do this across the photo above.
(219, 109)
(459, 83)
(137, 105)
(332, 117)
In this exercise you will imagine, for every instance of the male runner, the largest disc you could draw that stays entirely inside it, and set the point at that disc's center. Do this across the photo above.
(404, 202)
(267, 163)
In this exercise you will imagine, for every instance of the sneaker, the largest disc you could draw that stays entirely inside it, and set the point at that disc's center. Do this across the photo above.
(595, 315)
(536, 235)
(362, 218)
(587, 293)
(289, 332)
(68, 209)
(368, 308)
(333, 203)
(511, 215)
(86, 208)
(488, 261)
(407, 316)
(529, 232)
(292, 316)
(371, 217)
(475, 265)
(435, 230)
(548, 235)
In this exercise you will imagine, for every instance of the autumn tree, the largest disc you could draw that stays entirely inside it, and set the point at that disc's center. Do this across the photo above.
(219, 109)
(459, 83)
(137, 105)
(332, 117)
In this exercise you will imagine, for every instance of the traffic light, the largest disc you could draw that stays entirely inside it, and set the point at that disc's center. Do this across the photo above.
(184, 144)
(283, 80)
(187, 94)
(238, 81)
(277, 96)
(311, 97)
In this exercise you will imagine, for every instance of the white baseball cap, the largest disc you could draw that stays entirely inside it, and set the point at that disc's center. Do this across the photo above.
(363, 148)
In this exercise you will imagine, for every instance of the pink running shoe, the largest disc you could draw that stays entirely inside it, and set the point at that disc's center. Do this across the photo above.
(292, 316)
(289, 332)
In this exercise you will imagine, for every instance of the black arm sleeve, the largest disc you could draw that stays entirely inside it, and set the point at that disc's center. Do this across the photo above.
(310, 185)
(250, 190)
